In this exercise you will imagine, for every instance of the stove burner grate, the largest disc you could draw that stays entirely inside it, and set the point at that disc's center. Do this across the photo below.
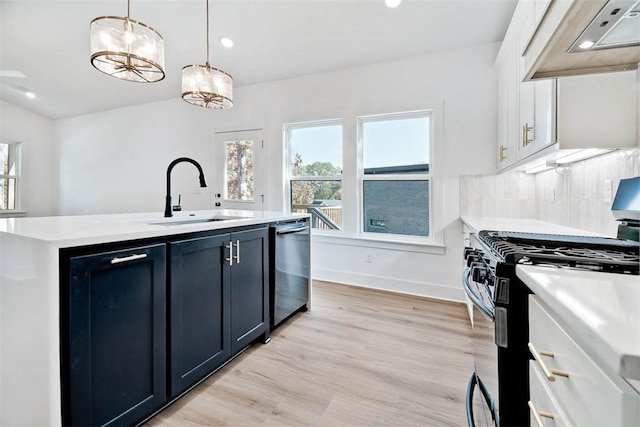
(593, 253)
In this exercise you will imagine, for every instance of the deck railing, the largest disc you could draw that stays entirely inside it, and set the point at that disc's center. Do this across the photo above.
(322, 217)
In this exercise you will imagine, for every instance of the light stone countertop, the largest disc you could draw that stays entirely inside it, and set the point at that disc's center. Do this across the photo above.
(80, 230)
(478, 223)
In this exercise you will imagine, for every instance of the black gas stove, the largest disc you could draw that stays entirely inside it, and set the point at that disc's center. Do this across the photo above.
(589, 253)
(491, 282)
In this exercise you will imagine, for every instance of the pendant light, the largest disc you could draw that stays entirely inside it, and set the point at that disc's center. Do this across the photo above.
(205, 86)
(127, 49)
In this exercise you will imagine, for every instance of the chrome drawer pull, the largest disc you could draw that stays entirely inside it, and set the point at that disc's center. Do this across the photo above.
(549, 373)
(230, 259)
(539, 414)
(128, 258)
(237, 256)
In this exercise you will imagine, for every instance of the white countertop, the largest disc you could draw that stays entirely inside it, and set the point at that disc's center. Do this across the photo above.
(80, 230)
(602, 309)
(478, 223)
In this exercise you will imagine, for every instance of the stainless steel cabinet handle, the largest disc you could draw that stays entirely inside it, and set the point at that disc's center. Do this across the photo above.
(525, 134)
(230, 259)
(539, 414)
(237, 256)
(128, 258)
(549, 373)
(503, 149)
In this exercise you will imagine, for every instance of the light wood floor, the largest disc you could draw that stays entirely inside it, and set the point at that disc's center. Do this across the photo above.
(359, 358)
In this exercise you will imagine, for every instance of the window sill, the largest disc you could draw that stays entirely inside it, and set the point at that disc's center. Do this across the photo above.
(12, 213)
(410, 245)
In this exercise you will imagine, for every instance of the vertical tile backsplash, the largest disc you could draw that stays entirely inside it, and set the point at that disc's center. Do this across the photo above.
(573, 196)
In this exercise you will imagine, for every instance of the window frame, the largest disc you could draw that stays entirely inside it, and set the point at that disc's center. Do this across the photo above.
(288, 162)
(430, 113)
(17, 176)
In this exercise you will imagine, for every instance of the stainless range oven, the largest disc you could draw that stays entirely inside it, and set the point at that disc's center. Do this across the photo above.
(498, 390)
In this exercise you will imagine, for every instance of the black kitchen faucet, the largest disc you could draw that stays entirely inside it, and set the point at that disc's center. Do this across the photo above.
(203, 183)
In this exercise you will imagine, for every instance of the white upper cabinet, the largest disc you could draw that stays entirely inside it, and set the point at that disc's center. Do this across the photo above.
(544, 117)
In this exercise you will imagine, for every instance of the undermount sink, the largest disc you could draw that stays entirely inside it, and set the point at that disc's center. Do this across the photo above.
(186, 221)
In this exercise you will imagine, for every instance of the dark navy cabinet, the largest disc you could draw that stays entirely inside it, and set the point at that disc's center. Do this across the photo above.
(249, 303)
(199, 309)
(143, 323)
(114, 360)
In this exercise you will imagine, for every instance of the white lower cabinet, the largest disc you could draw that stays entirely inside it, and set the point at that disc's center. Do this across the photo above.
(574, 384)
(544, 409)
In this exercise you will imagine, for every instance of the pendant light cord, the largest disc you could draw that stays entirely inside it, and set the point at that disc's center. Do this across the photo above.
(128, 9)
(208, 34)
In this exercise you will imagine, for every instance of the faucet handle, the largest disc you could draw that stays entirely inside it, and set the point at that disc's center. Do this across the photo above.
(177, 207)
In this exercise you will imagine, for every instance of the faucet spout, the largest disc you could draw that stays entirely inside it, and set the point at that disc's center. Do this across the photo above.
(203, 183)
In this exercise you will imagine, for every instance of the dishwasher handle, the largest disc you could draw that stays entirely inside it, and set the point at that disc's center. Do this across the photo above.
(291, 229)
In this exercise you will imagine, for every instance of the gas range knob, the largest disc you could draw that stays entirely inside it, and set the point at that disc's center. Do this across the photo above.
(468, 251)
(473, 259)
(479, 273)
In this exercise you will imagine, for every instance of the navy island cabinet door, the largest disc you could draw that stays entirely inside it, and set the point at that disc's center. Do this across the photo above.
(249, 288)
(117, 337)
(199, 309)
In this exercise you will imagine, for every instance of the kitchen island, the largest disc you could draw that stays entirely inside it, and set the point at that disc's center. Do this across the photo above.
(43, 264)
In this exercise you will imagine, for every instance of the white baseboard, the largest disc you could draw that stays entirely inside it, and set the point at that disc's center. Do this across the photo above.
(429, 290)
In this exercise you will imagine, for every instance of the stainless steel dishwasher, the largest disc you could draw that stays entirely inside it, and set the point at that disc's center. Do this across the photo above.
(289, 270)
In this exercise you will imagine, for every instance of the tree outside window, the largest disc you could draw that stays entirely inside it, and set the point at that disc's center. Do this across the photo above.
(239, 174)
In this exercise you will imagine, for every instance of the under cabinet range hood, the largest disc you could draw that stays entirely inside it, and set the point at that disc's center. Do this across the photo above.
(577, 37)
(617, 25)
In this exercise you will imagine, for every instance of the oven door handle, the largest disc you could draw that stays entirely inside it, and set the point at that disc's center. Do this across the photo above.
(473, 382)
(477, 301)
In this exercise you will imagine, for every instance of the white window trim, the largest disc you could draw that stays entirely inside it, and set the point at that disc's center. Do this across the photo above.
(17, 176)
(434, 243)
(431, 239)
(288, 161)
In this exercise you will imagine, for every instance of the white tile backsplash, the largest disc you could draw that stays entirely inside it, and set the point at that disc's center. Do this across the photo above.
(572, 196)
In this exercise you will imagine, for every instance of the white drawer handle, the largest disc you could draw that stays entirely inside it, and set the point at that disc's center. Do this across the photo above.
(539, 414)
(549, 373)
(128, 258)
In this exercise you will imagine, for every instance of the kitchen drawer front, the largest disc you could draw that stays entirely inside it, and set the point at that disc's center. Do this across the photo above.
(542, 400)
(587, 394)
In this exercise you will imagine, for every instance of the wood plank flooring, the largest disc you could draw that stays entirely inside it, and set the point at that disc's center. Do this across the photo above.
(360, 358)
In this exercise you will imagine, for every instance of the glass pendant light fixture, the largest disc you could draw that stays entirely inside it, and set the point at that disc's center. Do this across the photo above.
(205, 86)
(127, 49)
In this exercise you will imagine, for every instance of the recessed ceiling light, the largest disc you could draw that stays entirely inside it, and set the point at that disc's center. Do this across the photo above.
(226, 42)
(586, 44)
(392, 3)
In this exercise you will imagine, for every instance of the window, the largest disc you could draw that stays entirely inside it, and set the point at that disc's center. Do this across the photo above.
(239, 170)
(395, 173)
(9, 175)
(315, 172)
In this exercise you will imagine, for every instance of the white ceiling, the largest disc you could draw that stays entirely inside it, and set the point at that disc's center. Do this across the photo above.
(48, 41)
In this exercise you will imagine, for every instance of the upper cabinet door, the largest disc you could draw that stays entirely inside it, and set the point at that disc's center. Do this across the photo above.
(239, 180)
(113, 319)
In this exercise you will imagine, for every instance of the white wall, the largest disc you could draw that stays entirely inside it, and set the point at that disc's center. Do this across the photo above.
(38, 190)
(115, 161)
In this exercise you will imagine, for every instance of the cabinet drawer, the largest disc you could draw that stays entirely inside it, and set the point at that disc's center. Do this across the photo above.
(587, 394)
(542, 400)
